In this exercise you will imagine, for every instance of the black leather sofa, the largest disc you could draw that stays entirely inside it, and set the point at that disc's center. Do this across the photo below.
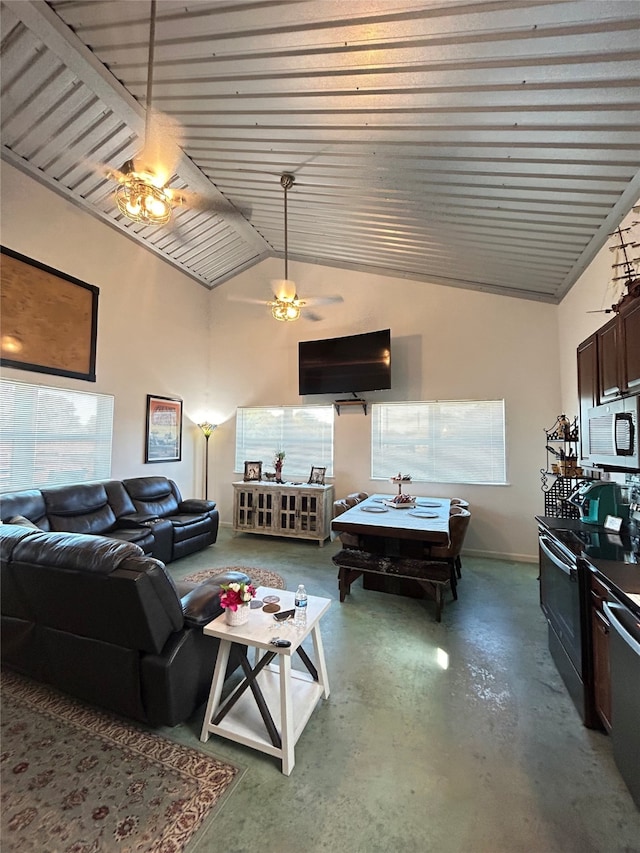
(101, 621)
(147, 511)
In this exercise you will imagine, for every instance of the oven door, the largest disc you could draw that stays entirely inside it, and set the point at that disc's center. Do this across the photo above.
(562, 598)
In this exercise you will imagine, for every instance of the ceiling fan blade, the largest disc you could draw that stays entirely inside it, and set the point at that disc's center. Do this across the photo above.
(323, 300)
(247, 300)
(198, 201)
(311, 315)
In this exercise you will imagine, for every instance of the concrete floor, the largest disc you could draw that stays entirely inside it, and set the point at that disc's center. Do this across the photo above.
(486, 756)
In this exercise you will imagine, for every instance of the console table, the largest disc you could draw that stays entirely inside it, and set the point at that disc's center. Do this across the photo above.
(301, 511)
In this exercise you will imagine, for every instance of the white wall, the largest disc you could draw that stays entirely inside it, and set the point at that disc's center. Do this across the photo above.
(153, 323)
(447, 344)
(161, 333)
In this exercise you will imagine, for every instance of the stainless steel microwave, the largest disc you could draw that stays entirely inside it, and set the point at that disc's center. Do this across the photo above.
(613, 434)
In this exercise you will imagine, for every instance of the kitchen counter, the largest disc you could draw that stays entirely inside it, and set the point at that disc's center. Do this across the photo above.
(613, 556)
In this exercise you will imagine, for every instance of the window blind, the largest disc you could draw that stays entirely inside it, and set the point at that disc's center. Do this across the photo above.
(51, 436)
(440, 442)
(305, 433)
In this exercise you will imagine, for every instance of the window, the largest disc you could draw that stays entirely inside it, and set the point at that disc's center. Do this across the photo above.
(305, 433)
(440, 442)
(50, 436)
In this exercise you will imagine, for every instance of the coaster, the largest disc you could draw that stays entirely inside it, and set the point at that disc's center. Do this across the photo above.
(255, 604)
(271, 608)
(271, 599)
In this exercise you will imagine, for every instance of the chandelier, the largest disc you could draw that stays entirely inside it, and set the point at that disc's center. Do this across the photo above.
(286, 305)
(284, 308)
(139, 199)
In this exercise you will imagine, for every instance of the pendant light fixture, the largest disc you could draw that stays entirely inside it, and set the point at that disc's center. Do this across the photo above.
(286, 305)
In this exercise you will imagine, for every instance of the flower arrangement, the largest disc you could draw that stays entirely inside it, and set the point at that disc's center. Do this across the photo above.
(234, 594)
(279, 457)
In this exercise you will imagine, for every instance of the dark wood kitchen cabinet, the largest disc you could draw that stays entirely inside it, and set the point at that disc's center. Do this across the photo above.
(600, 647)
(609, 361)
(587, 386)
(629, 322)
(609, 365)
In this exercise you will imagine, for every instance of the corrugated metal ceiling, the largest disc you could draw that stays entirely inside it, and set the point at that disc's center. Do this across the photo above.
(487, 145)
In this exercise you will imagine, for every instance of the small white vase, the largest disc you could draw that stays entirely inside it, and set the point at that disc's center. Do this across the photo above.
(239, 616)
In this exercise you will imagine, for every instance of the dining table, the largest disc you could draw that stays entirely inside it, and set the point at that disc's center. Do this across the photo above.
(426, 519)
(396, 547)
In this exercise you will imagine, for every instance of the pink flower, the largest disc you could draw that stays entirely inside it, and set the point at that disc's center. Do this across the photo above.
(234, 594)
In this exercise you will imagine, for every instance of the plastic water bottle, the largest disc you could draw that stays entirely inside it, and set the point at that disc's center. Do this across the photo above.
(300, 618)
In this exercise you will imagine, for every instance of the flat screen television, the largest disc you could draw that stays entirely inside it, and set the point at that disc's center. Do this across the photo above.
(350, 364)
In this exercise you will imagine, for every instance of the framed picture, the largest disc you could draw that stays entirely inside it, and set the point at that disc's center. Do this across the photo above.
(316, 477)
(164, 429)
(252, 471)
(49, 319)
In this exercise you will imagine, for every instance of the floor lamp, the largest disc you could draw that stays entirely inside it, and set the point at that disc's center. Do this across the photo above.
(207, 429)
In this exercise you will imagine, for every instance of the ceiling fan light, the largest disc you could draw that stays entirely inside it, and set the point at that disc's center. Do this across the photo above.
(285, 310)
(142, 202)
(284, 289)
(293, 312)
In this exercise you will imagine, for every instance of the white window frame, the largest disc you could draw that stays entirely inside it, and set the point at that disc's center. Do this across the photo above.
(452, 441)
(53, 436)
(305, 433)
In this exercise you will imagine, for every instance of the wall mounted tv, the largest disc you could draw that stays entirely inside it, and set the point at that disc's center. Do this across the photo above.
(345, 365)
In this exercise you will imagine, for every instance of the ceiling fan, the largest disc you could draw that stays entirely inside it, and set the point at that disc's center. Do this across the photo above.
(143, 193)
(286, 305)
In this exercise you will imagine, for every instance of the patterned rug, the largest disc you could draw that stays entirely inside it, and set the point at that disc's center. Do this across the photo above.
(260, 577)
(77, 780)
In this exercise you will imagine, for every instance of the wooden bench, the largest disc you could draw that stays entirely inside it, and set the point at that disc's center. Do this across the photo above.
(434, 576)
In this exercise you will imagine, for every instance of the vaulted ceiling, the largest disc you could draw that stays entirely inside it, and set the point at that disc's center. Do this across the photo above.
(485, 145)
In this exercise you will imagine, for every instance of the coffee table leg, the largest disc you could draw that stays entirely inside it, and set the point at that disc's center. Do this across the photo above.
(321, 665)
(286, 715)
(216, 687)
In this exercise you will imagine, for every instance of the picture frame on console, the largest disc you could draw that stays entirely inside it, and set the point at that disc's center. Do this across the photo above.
(316, 477)
(252, 471)
(163, 441)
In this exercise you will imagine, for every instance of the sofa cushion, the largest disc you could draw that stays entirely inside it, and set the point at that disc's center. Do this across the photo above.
(153, 495)
(118, 497)
(80, 508)
(141, 536)
(28, 503)
(21, 521)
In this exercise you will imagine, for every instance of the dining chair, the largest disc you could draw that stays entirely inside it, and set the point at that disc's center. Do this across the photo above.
(340, 506)
(460, 502)
(357, 497)
(459, 519)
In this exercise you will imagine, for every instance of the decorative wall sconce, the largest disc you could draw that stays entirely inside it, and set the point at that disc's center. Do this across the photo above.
(207, 429)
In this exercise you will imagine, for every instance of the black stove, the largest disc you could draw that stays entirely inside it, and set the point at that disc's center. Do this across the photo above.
(594, 542)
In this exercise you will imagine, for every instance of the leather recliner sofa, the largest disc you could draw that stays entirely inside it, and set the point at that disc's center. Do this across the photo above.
(148, 511)
(101, 621)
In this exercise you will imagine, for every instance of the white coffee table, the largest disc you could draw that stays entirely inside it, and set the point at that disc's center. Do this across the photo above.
(269, 709)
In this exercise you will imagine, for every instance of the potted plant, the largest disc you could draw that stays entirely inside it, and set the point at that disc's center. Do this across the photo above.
(277, 462)
(236, 598)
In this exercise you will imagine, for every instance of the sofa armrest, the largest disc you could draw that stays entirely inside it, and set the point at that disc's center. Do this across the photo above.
(201, 604)
(201, 601)
(136, 519)
(196, 505)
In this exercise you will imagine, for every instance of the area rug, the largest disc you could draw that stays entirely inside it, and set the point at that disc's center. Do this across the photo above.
(77, 780)
(259, 577)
